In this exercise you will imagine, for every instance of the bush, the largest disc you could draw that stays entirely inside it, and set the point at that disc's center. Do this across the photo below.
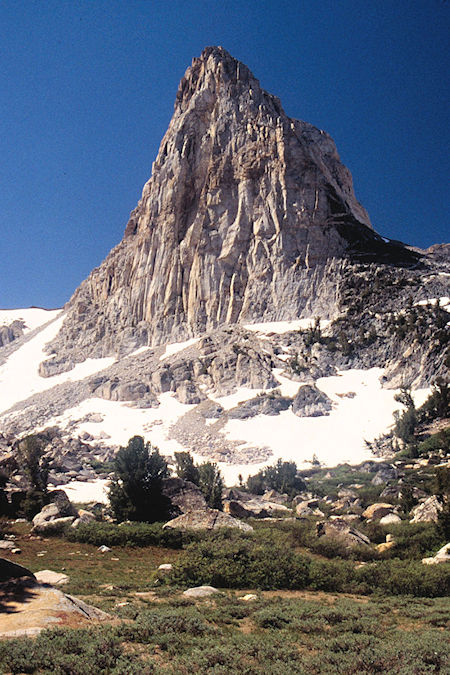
(133, 534)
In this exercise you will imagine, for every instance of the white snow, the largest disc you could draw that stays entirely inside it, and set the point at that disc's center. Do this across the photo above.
(336, 438)
(176, 347)
(239, 396)
(83, 492)
(19, 377)
(284, 326)
(121, 422)
(33, 317)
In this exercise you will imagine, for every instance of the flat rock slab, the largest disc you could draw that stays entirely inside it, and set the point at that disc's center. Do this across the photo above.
(27, 607)
(52, 578)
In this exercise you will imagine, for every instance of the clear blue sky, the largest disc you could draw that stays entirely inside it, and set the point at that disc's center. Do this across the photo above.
(87, 91)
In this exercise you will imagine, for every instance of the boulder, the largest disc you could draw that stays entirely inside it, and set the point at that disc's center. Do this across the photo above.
(390, 519)
(59, 509)
(51, 527)
(200, 592)
(377, 511)
(184, 495)
(311, 402)
(10, 570)
(165, 567)
(83, 517)
(6, 545)
(206, 519)
(254, 508)
(443, 555)
(427, 512)
(341, 530)
(51, 578)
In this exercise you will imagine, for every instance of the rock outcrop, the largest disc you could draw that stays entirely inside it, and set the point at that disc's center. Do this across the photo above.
(248, 214)
(206, 519)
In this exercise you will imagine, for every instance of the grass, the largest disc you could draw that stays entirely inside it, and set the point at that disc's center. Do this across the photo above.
(277, 635)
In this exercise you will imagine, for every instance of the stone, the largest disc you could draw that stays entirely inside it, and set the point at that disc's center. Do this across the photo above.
(10, 570)
(249, 597)
(341, 530)
(83, 517)
(184, 496)
(254, 508)
(311, 402)
(390, 519)
(51, 578)
(377, 511)
(427, 512)
(206, 519)
(104, 549)
(7, 545)
(53, 526)
(165, 567)
(200, 592)
(442, 556)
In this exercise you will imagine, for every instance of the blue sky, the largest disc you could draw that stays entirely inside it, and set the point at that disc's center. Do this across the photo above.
(87, 91)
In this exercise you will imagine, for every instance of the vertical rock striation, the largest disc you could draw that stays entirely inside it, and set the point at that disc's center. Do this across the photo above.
(248, 215)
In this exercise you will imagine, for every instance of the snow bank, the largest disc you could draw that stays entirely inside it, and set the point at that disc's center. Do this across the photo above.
(19, 377)
(33, 317)
(83, 492)
(284, 326)
(176, 347)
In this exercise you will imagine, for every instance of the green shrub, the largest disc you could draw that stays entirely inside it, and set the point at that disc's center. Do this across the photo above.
(132, 534)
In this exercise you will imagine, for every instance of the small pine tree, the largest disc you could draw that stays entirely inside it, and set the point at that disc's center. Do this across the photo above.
(186, 468)
(211, 484)
(136, 489)
(31, 460)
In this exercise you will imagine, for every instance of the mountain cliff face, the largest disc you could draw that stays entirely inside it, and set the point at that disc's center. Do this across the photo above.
(248, 215)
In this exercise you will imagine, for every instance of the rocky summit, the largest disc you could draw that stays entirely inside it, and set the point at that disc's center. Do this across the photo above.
(248, 281)
(249, 215)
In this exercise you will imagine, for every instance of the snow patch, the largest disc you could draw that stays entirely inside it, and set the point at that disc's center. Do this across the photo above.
(280, 327)
(83, 492)
(19, 377)
(176, 347)
(33, 317)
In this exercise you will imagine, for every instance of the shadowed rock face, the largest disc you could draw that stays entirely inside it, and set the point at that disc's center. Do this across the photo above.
(248, 215)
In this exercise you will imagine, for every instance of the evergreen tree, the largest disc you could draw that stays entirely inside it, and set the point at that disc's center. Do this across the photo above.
(136, 489)
(186, 468)
(31, 461)
(211, 484)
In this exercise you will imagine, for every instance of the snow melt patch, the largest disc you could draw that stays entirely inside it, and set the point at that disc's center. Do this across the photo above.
(336, 438)
(19, 377)
(83, 492)
(33, 317)
(121, 422)
(176, 347)
(280, 327)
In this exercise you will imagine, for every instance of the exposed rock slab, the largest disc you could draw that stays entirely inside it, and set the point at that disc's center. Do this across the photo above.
(206, 519)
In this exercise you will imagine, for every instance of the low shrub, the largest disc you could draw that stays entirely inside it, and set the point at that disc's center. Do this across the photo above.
(132, 534)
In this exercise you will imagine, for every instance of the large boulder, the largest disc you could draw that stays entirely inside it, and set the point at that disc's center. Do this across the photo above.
(443, 555)
(184, 495)
(60, 509)
(377, 511)
(200, 592)
(51, 578)
(341, 530)
(206, 519)
(311, 402)
(10, 570)
(428, 511)
(54, 526)
(255, 508)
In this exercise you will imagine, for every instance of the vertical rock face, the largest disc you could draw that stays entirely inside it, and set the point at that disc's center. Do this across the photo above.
(248, 215)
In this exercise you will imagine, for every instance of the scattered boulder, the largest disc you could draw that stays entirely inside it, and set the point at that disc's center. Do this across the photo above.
(200, 592)
(311, 402)
(10, 570)
(443, 555)
(427, 512)
(265, 404)
(54, 526)
(390, 519)
(255, 508)
(341, 530)
(104, 549)
(184, 495)
(249, 597)
(165, 567)
(83, 517)
(377, 511)
(6, 545)
(51, 578)
(206, 519)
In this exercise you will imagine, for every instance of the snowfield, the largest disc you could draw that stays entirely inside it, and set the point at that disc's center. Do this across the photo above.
(33, 317)
(19, 377)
